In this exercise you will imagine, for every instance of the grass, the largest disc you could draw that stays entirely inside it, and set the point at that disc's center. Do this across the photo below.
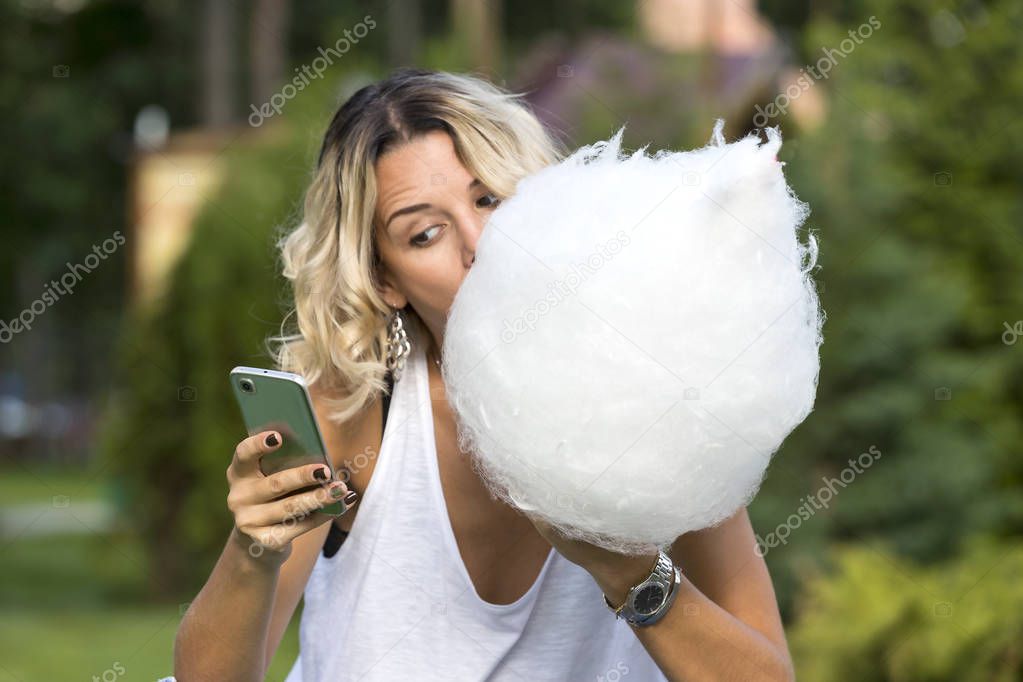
(81, 644)
(74, 606)
(39, 484)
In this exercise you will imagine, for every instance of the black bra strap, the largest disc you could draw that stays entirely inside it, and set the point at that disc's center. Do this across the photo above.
(386, 400)
(336, 536)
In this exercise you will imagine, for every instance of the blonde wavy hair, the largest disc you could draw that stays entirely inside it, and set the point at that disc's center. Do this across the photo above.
(330, 258)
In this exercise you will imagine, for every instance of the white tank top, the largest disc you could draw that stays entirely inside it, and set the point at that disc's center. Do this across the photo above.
(396, 601)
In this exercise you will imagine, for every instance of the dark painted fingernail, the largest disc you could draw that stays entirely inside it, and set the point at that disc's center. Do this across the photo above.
(321, 474)
(337, 492)
(271, 440)
(350, 497)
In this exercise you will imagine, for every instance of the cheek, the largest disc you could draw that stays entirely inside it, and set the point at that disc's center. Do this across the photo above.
(435, 277)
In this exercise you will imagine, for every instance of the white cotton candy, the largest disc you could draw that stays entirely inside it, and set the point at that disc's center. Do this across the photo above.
(636, 338)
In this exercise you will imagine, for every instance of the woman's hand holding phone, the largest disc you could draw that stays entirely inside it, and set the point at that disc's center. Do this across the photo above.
(268, 513)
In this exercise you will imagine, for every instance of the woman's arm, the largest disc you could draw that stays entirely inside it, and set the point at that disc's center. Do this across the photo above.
(233, 628)
(224, 634)
(724, 624)
(291, 584)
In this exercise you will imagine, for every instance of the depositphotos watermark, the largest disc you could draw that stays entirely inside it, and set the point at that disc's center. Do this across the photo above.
(620, 670)
(812, 503)
(63, 287)
(110, 674)
(559, 290)
(297, 511)
(308, 72)
(809, 75)
(1012, 333)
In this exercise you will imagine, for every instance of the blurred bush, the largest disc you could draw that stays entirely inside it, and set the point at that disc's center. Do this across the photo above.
(172, 425)
(883, 619)
(913, 181)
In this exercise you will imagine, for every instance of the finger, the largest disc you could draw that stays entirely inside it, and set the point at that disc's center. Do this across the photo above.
(255, 491)
(276, 537)
(288, 481)
(292, 507)
(248, 452)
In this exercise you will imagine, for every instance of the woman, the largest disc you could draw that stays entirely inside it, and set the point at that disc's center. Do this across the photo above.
(435, 578)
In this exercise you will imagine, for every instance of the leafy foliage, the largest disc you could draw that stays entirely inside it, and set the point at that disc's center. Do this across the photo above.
(884, 619)
(171, 429)
(913, 181)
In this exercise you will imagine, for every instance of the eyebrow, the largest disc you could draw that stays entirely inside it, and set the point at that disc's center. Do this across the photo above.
(414, 208)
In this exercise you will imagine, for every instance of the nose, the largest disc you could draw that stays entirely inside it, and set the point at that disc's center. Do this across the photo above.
(471, 227)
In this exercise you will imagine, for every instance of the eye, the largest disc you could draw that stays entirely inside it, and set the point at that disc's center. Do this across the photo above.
(488, 201)
(416, 241)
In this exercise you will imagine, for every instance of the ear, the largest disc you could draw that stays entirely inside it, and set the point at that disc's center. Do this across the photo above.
(389, 289)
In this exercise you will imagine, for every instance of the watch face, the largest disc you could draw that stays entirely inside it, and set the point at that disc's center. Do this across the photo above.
(649, 599)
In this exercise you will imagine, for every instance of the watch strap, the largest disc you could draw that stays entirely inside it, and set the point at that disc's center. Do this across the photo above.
(665, 574)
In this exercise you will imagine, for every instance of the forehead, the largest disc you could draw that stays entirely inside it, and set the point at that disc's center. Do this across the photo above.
(425, 164)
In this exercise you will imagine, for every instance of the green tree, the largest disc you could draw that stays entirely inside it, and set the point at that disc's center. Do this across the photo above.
(879, 618)
(171, 426)
(914, 185)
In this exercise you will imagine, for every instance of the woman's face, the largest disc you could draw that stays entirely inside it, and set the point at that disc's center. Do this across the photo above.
(430, 213)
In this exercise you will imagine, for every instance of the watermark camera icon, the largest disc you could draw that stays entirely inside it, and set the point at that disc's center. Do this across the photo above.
(1011, 334)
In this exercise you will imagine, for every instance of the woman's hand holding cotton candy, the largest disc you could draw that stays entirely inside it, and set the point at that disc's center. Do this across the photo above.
(614, 572)
(637, 337)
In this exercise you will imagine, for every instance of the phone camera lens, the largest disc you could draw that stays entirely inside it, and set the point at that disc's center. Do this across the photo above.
(247, 386)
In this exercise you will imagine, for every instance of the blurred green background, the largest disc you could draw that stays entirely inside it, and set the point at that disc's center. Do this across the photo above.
(132, 149)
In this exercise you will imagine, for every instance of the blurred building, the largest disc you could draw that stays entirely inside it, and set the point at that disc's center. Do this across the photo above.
(174, 173)
(697, 60)
(168, 187)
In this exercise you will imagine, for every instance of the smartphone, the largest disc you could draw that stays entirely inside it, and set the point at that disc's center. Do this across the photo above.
(279, 401)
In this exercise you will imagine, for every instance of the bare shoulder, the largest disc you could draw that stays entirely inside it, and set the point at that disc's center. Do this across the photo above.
(351, 446)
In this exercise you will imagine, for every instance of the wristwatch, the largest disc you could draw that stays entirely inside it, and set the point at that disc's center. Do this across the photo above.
(647, 602)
